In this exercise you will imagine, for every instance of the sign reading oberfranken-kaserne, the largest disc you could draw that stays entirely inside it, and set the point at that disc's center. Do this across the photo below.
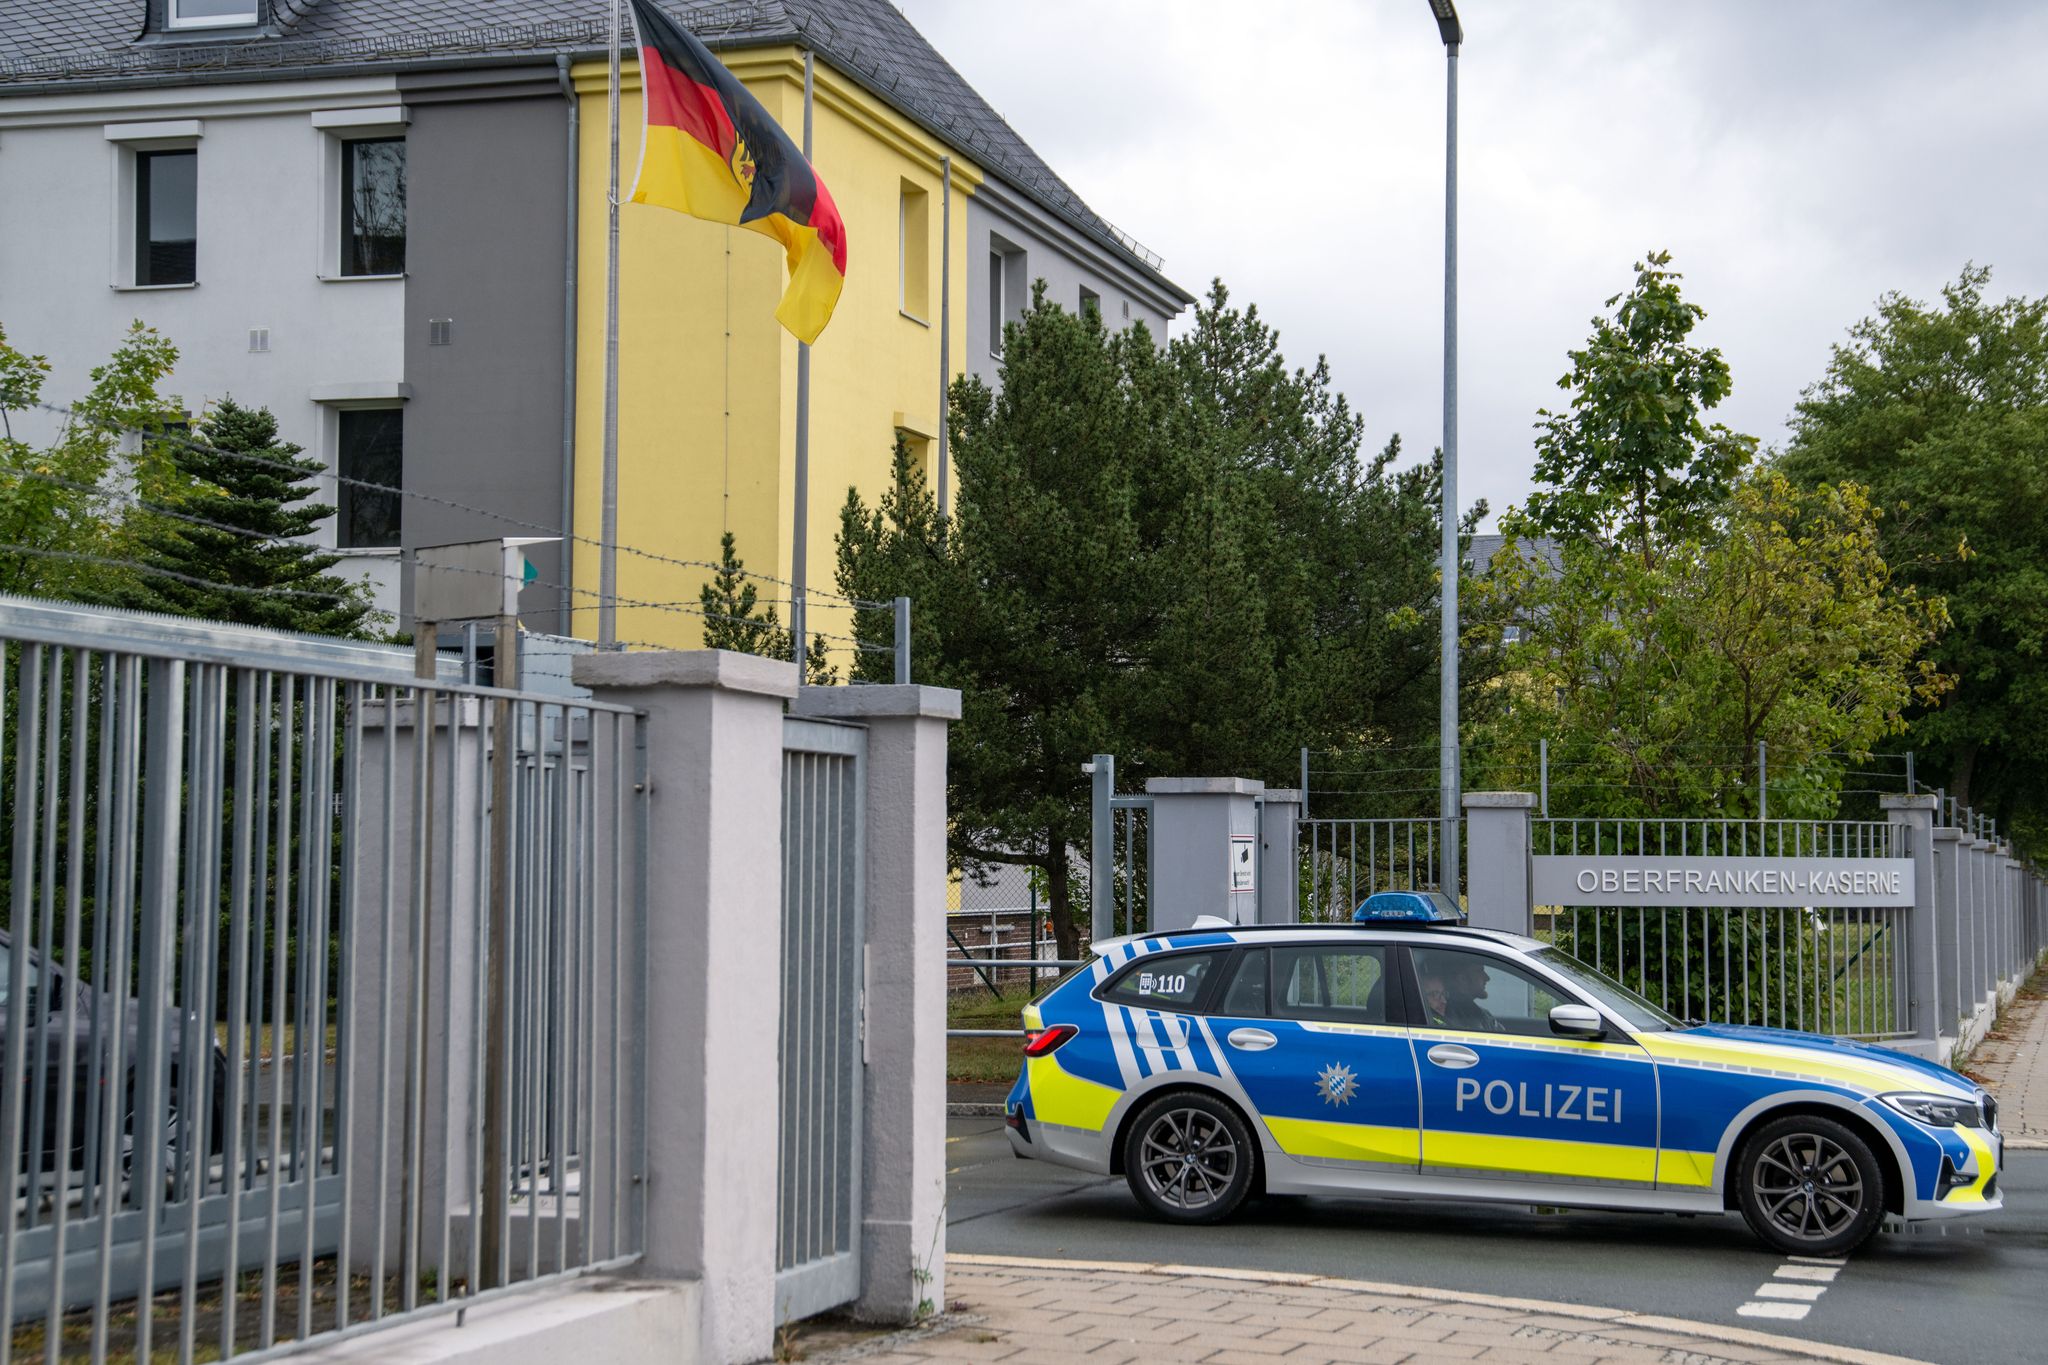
(1716, 881)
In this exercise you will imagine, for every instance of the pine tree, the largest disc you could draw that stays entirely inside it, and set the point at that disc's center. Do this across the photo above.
(262, 572)
(729, 600)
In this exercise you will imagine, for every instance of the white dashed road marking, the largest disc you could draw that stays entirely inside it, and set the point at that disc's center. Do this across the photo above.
(1793, 1288)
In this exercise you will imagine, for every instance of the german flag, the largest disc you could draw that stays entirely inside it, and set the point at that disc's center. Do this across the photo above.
(710, 150)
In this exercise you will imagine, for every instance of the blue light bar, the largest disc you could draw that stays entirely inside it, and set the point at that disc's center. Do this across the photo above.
(1408, 907)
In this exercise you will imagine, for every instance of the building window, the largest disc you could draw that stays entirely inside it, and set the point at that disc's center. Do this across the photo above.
(370, 446)
(995, 303)
(1091, 302)
(212, 13)
(373, 206)
(913, 252)
(166, 217)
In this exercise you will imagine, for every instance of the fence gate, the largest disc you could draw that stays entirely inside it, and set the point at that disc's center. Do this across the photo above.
(817, 1243)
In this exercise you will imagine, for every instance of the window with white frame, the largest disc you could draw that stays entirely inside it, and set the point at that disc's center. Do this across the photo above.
(167, 217)
(913, 252)
(369, 449)
(212, 13)
(373, 206)
(995, 303)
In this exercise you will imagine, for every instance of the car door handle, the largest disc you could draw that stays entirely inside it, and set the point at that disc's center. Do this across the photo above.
(1255, 1039)
(1452, 1056)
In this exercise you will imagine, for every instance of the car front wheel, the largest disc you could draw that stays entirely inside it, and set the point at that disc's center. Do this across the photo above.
(1810, 1186)
(1189, 1158)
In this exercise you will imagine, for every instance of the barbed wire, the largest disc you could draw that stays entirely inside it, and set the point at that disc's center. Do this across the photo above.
(192, 443)
(153, 509)
(104, 561)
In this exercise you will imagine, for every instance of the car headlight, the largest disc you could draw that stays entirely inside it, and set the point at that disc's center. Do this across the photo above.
(1937, 1111)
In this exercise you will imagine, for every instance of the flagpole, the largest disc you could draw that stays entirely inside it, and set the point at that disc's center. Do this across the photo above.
(608, 533)
(945, 310)
(799, 575)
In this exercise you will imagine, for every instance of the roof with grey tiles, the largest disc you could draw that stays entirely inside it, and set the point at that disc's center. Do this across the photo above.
(59, 42)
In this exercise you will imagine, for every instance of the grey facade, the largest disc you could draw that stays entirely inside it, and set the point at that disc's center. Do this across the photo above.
(1012, 243)
(488, 258)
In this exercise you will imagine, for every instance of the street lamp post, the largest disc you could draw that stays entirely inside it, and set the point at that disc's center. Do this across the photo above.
(1453, 34)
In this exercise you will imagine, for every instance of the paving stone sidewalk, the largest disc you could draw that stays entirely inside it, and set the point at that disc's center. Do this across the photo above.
(1029, 1312)
(2012, 1061)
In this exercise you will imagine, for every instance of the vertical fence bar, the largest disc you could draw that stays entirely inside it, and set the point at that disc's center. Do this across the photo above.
(346, 1040)
(29, 685)
(163, 806)
(281, 933)
(117, 912)
(67, 1074)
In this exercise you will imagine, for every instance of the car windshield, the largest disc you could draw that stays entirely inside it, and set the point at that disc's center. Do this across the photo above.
(1637, 1012)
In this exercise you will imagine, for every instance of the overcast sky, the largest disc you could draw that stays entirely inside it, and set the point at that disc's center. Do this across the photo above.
(1797, 159)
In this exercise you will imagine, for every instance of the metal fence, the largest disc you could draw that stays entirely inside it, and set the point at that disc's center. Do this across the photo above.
(1678, 838)
(322, 988)
(1344, 861)
(1836, 971)
(817, 1244)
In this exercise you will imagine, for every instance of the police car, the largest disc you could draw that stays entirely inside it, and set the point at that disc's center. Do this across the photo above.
(1408, 1055)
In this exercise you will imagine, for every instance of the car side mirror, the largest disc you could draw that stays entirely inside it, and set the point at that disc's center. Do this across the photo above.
(1577, 1021)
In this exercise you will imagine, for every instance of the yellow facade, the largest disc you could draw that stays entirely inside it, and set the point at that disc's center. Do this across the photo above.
(707, 377)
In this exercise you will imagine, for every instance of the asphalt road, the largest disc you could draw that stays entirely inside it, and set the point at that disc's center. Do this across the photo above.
(1970, 1291)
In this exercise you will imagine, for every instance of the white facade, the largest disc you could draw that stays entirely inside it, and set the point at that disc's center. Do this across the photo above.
(267, 252)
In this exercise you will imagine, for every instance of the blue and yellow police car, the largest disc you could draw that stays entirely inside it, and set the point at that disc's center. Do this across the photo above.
(1409, 1055)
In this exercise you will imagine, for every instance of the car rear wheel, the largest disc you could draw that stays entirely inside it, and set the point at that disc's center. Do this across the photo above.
(1190, 1158)
(1810, 1186)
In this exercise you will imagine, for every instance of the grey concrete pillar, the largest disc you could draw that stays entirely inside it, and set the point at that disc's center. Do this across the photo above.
(713, 962)
(1498, 875)
(1947, 843)
(1913, 817)
(1984, 887)
(1205, 850)
(2008, 926)
(903, 1147)
(1279, 893)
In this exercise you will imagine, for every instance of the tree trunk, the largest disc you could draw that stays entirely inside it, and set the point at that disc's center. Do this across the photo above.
(1965, 769)
(1066, 935)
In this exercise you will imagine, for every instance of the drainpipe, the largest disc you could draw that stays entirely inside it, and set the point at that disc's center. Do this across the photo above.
(567, 618)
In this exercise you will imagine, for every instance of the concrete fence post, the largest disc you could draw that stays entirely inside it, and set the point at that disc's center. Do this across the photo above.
(1913, 818)
(1948, 1010)
(1280, 857)
(1498, 875)
(1986, 907)
(1205, 850)
(903, 1147)
(2010, 873)
(713, 964)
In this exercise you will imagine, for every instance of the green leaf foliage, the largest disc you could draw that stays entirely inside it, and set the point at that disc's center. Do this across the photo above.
(1941, 410)
(61, 499)
(1633, 459)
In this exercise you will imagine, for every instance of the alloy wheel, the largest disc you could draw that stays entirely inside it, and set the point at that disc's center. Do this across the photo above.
(1808, 1186)
(1189, 1158)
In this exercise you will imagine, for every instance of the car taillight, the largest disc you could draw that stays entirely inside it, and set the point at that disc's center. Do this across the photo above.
(1039, 1042)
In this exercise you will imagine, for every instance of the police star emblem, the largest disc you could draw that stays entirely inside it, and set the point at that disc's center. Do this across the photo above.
(1336, 1084)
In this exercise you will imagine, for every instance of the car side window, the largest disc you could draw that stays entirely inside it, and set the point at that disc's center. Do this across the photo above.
(1170, 982)
(1344, 983)
(1246, 998)
(1479, 993)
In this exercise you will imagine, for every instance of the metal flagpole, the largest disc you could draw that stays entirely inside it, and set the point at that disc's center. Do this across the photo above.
(1448, 700)
(608, 533)
(800, 536)
(945, 311)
